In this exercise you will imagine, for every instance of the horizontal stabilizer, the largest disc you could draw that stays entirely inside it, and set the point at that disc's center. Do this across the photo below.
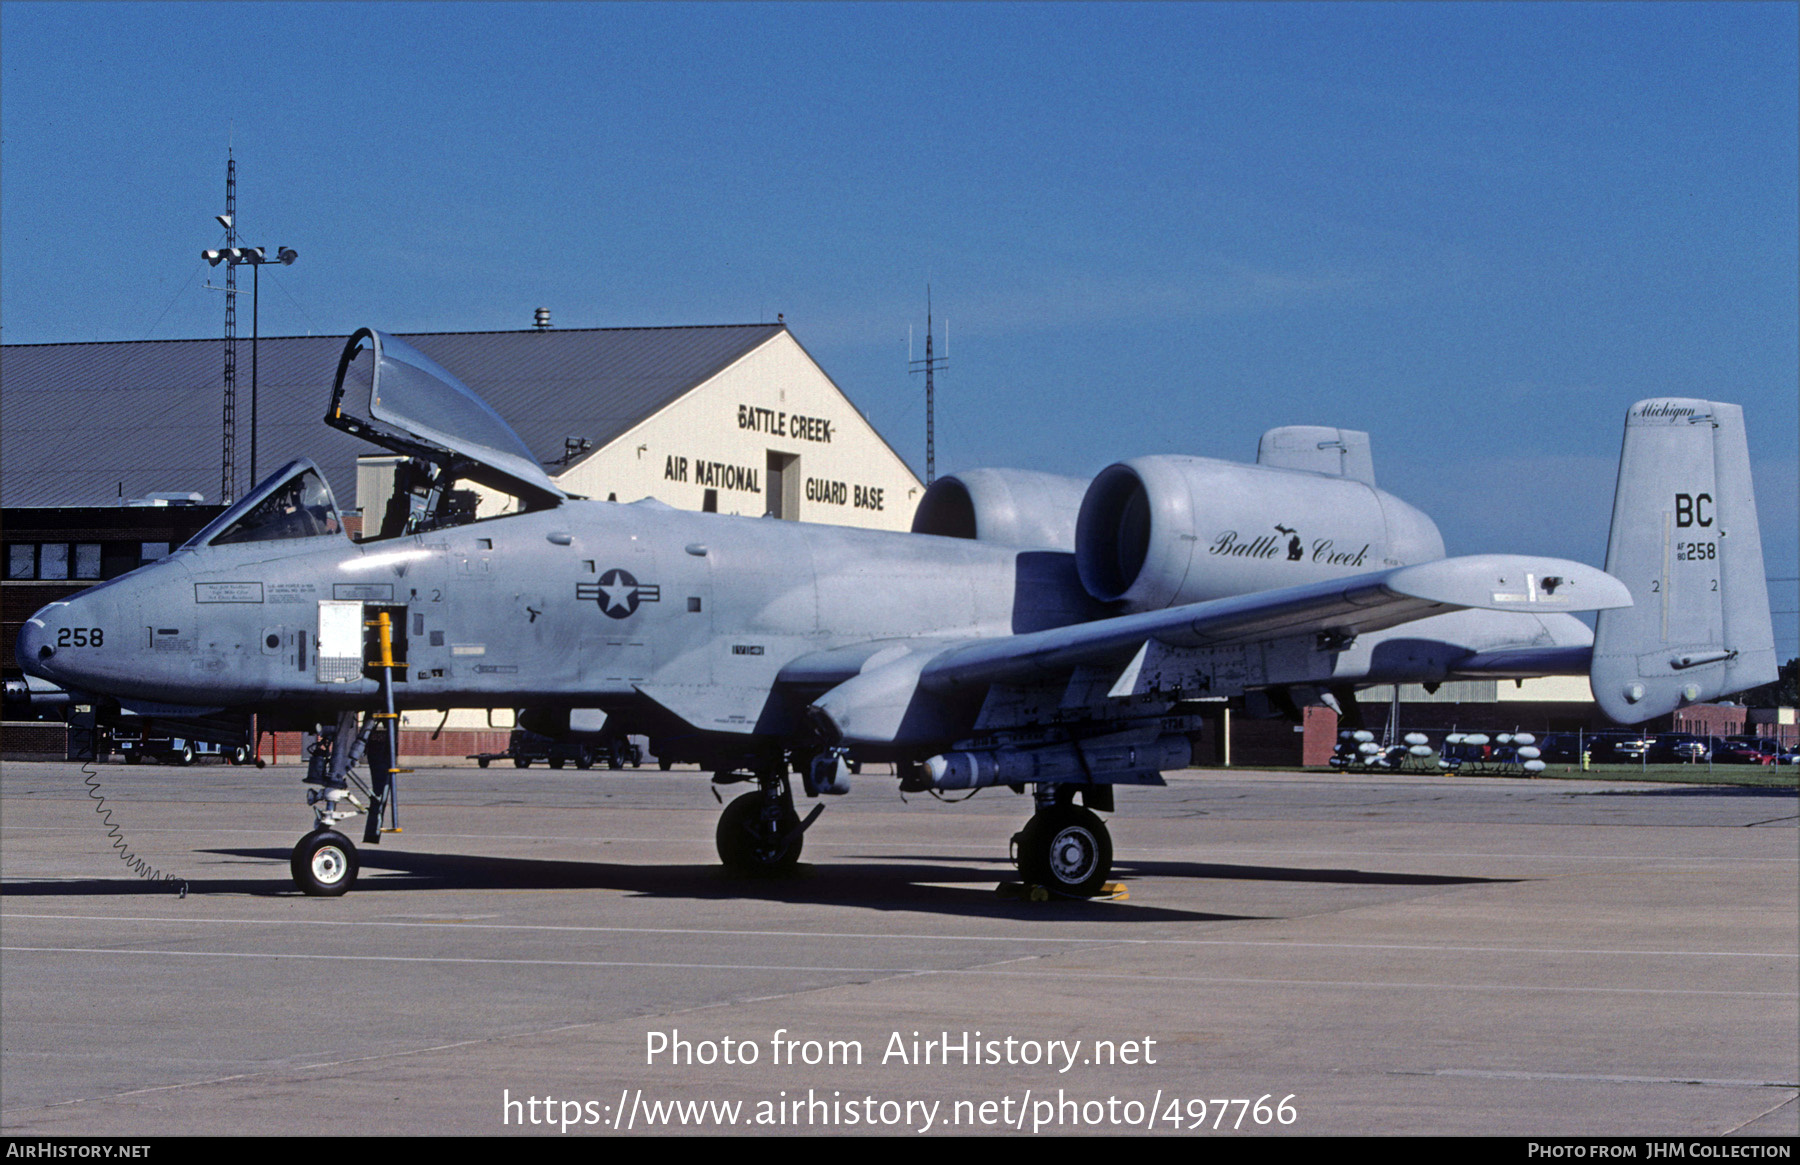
(1523, 663)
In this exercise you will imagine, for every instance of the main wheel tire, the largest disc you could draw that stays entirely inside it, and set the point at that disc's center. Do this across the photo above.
(752, 846)
(664, 763)
(240, 755)
(187, 754)
(584, 759)
(556, 762)
(1066, 849)
(520, 762)
(482, 761)
(324, 863)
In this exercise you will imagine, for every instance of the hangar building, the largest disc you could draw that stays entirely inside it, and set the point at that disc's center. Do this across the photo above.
(734, 418)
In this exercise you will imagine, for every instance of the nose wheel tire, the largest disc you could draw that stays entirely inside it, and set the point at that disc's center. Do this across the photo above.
(324, 863)
(1066, 849)
(752, 844)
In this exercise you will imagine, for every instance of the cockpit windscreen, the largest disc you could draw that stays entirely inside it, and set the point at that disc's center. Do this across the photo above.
(293, 503)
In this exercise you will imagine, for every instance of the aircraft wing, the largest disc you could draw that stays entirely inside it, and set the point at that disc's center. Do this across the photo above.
(902, 691)
(1342, 608)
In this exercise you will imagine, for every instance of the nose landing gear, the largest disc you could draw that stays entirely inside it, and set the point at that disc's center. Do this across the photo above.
(324, 863)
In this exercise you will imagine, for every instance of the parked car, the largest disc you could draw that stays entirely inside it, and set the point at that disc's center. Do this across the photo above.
(526, 747)
(1616, 750)
(138, 746)
(1677, 748)
(1735, 752)
(1563, 747)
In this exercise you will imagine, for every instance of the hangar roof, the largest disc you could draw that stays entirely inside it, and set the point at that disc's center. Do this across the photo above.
(83, 424)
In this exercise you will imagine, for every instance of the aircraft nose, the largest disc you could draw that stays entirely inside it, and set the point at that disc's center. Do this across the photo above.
(62, 641)
(33, 649)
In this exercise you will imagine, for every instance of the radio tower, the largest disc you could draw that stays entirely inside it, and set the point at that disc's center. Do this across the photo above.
(228, 458)
(928, 366)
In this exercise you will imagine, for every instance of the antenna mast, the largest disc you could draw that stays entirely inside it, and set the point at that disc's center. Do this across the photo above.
(228, 457)
(928, 366)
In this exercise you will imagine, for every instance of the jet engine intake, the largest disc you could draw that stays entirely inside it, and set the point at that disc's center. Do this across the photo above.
(1008, 507)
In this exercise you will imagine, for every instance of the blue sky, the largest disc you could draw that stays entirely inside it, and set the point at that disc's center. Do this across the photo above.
(1477, 231)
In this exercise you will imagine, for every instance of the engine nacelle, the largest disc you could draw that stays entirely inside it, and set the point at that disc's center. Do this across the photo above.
(1011, 507)
(1155, 532)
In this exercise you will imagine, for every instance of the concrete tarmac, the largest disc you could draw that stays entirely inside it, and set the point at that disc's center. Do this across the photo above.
(559, 953)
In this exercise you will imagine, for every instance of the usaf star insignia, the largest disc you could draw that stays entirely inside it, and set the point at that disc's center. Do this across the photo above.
(618, 594)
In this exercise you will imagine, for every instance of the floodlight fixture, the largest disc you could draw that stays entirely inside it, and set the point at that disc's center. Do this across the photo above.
(254, 258)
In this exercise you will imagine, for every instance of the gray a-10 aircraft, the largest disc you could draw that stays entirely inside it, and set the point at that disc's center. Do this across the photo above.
(1041, 633)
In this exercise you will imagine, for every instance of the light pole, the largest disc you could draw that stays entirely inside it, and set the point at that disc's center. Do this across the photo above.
(255, 257)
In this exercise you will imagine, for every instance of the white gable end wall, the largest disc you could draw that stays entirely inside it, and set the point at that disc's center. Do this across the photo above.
(772, 409)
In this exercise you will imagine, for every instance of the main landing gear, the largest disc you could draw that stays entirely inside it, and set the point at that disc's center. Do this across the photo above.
(760, 834)
(1064, 847)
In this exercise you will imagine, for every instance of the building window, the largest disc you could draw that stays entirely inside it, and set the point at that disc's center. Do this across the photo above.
(151, 551)
(53, 560)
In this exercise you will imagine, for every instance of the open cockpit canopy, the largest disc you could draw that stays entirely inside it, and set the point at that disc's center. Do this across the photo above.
(434, 417)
